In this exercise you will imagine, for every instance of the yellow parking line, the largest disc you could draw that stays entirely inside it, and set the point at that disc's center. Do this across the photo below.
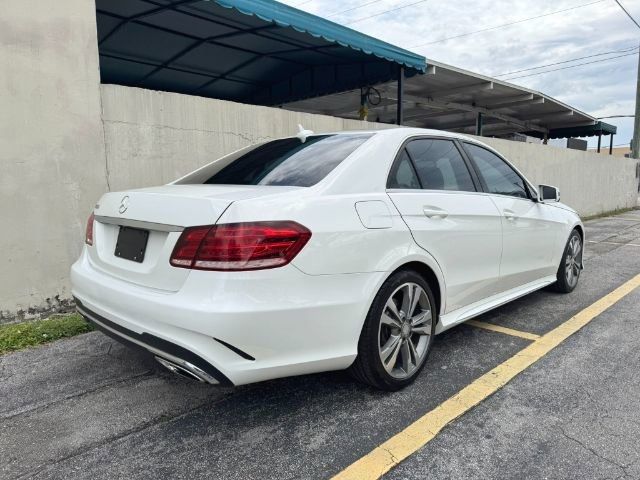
(505, 330)
(389, 454)
(616, 243)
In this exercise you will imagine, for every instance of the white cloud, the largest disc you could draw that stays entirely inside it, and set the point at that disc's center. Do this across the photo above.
(600, 89)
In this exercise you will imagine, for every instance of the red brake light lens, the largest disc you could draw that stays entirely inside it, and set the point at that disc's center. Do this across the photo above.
(88, 236)
(239, 246)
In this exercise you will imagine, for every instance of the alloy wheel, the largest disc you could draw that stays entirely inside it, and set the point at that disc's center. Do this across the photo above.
(405, 330)
(573, 260)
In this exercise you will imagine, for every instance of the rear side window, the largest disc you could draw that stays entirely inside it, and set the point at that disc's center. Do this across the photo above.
(289, 162)
(499, 177)
(402, 174)
(439, 165)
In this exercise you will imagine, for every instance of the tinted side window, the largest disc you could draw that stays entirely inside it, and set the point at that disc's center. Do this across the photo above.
(498, 175)
(402, 173)
(440, 165)
(289, 162)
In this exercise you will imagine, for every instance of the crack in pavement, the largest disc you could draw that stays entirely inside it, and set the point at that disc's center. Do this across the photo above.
(160, 419)
(4, 375)
(34, 408)
(620, 232)
(90, 446)
(591, 450)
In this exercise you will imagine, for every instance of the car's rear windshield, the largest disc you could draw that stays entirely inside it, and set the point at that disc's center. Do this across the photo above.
(289, 162)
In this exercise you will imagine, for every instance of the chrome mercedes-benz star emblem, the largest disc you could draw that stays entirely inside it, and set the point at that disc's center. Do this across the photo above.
(124, 204)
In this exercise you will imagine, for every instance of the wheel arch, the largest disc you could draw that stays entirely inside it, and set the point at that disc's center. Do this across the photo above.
(430, 277)
(580, 229)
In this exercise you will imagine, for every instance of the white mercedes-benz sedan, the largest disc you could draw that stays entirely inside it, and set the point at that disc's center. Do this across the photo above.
(322, 252)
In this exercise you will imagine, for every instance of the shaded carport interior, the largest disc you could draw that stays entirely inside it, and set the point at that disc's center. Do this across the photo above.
(453, 99)
(251, 51)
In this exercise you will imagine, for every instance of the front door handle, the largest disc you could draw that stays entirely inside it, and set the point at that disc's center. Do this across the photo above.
(434, 212)
(509, 214)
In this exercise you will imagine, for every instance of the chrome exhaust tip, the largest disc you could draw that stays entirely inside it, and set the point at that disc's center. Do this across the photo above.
(187, 370)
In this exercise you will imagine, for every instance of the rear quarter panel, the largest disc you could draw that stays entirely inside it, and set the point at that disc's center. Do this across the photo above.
(339, 244)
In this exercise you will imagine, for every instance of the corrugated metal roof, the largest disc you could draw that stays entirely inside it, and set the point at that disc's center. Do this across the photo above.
(450, 98)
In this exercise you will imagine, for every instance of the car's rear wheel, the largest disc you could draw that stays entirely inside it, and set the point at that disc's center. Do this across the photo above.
(570, 265)
(398, 333)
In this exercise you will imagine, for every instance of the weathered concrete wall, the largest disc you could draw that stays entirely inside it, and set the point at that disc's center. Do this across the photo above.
(155, 137)
(589, 182)
(51, 148)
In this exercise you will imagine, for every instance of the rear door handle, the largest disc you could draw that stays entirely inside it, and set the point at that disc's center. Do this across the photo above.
(509, 214)
(434, 212)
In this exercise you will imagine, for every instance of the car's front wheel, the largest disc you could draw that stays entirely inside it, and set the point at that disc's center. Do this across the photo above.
(398, 333)
(570, 266)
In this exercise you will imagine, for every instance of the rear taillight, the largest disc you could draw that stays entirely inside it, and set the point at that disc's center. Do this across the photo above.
(239, 246)
(88, 236)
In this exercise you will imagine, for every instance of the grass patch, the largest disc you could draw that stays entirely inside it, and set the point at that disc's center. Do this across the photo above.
(29, 334)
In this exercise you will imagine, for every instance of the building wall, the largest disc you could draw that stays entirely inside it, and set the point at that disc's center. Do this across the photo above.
(617, 151)
(588, 182)
(51, 148)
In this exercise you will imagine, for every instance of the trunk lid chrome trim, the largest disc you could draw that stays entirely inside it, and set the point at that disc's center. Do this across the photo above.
(127, 222)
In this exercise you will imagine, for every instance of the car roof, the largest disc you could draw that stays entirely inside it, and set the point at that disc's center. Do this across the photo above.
(400, 132)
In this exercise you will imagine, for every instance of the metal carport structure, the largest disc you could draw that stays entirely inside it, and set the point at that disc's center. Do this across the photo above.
(450, 98)
(252, 51)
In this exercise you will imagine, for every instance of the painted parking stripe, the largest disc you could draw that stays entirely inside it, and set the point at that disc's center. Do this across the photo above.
(389, 454)
(631, 218)
(505, 330)
(616, 243)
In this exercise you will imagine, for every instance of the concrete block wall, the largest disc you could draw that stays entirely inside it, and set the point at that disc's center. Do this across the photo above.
(51, 148)
(155, 137)
(589, 182)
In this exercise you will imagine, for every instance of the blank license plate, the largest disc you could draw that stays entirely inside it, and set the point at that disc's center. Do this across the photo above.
(131, 244)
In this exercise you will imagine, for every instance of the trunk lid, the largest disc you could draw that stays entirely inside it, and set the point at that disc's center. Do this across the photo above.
(163, 212)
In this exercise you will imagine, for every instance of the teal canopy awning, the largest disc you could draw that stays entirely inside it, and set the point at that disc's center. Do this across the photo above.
(286, 16)
(599, 128)
(254, 51)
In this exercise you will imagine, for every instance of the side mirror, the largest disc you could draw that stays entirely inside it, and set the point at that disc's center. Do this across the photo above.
(547, 193)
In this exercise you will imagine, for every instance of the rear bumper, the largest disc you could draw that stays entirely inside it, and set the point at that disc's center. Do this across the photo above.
(236, 327)
(175, 354)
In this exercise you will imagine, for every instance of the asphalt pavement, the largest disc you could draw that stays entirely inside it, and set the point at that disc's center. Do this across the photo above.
(87, 407)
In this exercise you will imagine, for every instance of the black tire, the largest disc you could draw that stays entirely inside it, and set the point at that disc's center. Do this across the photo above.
(368, 367)
(563, 284)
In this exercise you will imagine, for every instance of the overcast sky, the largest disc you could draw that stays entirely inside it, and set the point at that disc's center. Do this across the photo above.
(600, 89)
